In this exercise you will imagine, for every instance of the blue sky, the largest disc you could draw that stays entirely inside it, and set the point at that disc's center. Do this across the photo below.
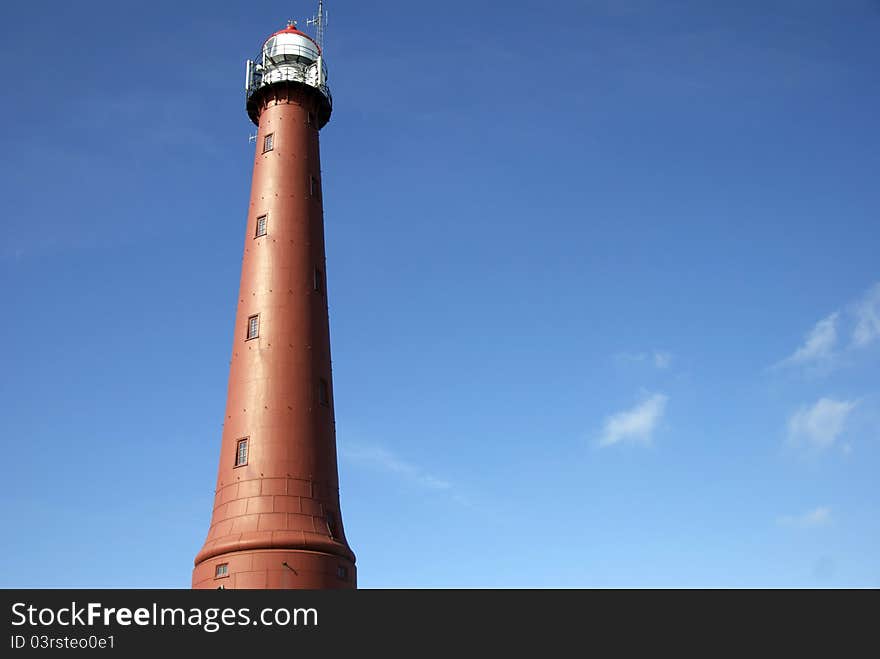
(604, 288)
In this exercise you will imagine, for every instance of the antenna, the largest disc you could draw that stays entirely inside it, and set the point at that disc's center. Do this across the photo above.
(320, 22)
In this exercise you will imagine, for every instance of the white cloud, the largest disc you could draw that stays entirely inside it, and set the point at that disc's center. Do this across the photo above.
(636, 424)
(811, 519)
(662, 359)
(385, 460)
(861, 319)
(818, 426)
(867, 317)
(819, 343)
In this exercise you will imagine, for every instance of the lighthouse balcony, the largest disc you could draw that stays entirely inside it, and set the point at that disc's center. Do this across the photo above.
(260, 75)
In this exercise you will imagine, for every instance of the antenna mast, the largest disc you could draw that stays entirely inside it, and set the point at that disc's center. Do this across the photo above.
(320, 22)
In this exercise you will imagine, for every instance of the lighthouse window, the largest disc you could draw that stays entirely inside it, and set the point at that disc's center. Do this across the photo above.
(241, 453)
(323, 392)
(221, 570)
(313, 186)
(253, 327)
(311, 118)
(261, 225)
(319, 281)
(269, 142)
(342, 572)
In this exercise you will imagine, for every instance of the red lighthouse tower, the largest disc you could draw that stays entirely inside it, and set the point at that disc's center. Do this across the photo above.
(276, 520)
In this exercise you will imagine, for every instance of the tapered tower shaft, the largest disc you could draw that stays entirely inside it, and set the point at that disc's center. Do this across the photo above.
(276, 520)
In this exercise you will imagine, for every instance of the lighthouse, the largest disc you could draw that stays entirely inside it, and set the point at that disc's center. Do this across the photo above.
(276, 520)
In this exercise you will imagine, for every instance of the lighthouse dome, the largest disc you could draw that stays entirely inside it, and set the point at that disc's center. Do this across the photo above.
(290, 45)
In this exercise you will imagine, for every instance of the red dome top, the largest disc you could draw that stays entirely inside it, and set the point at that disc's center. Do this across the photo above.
(291, 29)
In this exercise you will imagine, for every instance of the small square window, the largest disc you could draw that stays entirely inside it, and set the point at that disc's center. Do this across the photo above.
(221, 571)
(241, 453)
(323, 392)
(342, 572)
(314, 190)
(262, 222)
(319, 281)
(269, 142)
(253, 327)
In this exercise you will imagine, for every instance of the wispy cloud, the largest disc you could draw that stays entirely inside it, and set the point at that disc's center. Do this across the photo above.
(661, 359)
(820, 516)
(860, 320)
(818, 345)
(819, 425)
(635, 425)
(384, 460)
(867, 317)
